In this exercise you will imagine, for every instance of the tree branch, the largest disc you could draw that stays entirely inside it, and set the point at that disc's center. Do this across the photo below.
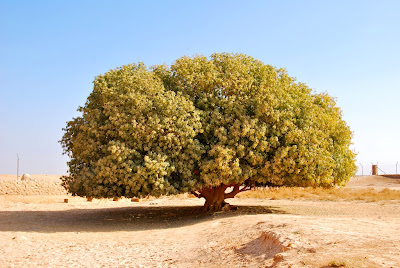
(196, 194)
(236, 189)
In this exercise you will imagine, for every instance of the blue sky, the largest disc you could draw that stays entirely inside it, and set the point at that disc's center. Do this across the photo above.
(50, 51)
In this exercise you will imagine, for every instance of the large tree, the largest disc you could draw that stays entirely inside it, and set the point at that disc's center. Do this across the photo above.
(211, 126)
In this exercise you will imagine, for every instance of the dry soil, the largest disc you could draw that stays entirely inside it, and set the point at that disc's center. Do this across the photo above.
(43, 231)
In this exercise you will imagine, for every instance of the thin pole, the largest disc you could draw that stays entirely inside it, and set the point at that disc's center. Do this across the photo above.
(17, 166)
(382, 171)
(396, 167)
(362, 169)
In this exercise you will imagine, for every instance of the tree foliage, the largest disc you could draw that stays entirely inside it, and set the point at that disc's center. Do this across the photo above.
(203, 125)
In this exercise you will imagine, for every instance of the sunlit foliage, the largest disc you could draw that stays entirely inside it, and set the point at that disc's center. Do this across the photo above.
(134, 138)
(202, 123)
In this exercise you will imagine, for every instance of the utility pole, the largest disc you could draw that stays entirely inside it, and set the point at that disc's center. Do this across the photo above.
(17, 166)
(396, 167)
(362, 169)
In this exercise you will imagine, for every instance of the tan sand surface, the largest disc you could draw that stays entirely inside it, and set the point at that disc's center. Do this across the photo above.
(43, 231)
(376, 182)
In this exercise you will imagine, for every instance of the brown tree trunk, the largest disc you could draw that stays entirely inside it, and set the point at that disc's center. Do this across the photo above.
(215, 196)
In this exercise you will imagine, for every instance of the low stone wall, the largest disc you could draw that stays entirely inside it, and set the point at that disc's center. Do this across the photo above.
(31, 187)
(392, 176)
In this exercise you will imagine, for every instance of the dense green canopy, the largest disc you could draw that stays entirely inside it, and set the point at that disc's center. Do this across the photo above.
(204, 124)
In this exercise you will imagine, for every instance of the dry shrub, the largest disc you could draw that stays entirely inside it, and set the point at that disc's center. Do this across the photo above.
(331, 194)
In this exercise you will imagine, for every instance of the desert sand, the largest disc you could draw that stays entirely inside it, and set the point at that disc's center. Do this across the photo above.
(43, 231)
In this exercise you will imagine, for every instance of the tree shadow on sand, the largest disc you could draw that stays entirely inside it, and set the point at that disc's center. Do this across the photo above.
(117, 219)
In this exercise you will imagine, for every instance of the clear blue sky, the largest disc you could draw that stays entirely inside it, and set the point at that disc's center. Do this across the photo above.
(50, 51)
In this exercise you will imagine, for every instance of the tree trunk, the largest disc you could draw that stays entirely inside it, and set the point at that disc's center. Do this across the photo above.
(215, 196)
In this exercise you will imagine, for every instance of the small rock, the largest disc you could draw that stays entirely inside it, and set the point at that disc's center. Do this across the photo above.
(311, 250)
(278, 258)
(226, 207)
(20, 238)
(26, 176)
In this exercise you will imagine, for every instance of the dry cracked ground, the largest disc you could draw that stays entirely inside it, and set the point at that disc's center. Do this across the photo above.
(43, 231)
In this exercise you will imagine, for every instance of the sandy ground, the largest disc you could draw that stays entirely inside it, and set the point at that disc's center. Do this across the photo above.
(376, 182)
(43, 231)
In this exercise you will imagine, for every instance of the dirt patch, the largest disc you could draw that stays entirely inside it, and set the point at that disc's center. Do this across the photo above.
(267, 247)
